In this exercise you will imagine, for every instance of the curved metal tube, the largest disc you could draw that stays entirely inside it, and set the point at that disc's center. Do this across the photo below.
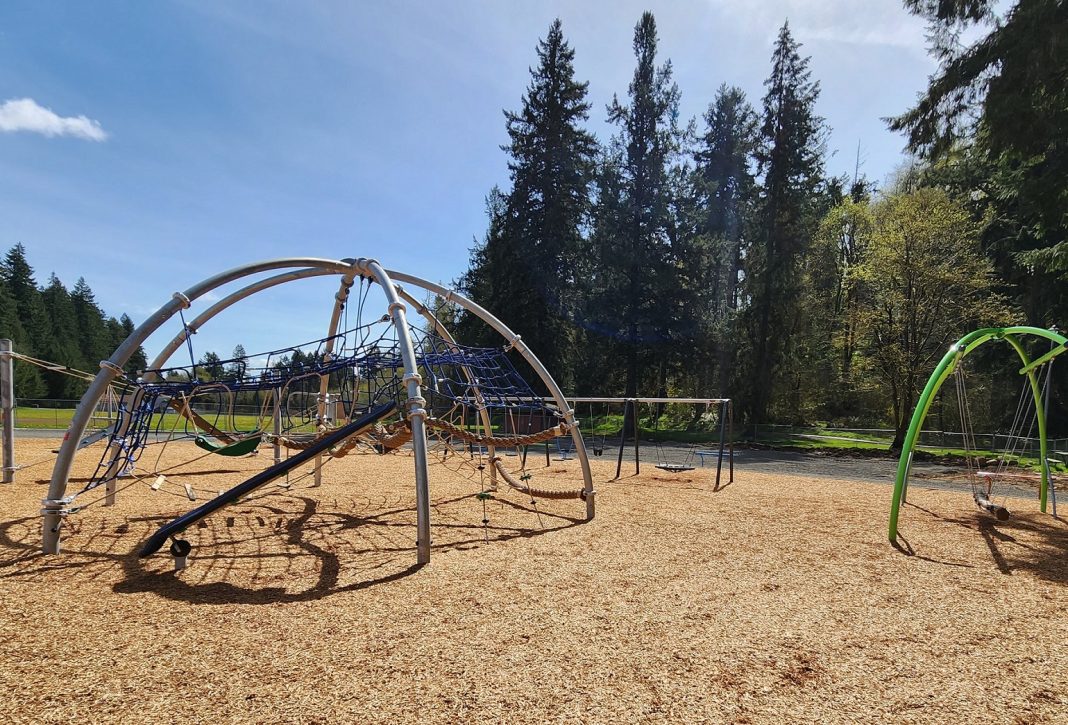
(949, 362)
(515, 341)
(199, 321)
(53, 507)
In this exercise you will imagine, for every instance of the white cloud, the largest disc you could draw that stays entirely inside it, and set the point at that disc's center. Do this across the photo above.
(25, 114)
(875, 22)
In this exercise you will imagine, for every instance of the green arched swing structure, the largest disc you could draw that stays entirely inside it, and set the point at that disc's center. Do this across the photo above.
(948, 364)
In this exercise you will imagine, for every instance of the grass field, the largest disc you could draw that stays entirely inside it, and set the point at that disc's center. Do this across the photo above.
(604, 427)
(773, 599)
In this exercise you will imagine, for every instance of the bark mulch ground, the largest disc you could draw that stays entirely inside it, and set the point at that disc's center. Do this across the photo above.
(774, 599)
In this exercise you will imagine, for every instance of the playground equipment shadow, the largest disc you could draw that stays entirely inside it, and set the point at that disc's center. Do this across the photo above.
(774, 599)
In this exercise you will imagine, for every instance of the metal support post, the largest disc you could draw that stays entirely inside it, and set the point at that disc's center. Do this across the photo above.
(277, 425)
(722, 435)
(7, 408)
(637, 438)
(1048, 479)
(730, 436)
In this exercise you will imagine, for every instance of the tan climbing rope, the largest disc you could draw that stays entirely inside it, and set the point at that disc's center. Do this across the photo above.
(536, 492)
(498, 441)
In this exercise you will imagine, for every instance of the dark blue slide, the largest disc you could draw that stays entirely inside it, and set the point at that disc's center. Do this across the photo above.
(180, 524)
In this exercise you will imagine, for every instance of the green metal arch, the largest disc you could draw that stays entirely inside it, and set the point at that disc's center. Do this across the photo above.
(952, 358)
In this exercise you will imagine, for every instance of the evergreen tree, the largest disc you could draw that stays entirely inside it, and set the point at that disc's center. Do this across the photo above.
(790, 159)
(600, 311)
(994, 120)
(552, 160)
(115, 334)
(725, 187)
(94, 340)
(527, 266)
(138, 360)
(238, 361)
(17, 276)
(10, 325)
(639, 261)
(62, 345)
(483, 281)
(27, 378)
(210, 367)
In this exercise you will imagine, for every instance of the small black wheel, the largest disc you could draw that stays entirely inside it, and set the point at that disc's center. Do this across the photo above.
(180, 547)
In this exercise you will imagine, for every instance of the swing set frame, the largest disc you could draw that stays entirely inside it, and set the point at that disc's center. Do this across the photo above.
(724, 451)
(957, 352)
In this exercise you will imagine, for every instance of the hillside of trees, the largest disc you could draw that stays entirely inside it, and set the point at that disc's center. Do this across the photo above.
(717, 256)
(55, 324)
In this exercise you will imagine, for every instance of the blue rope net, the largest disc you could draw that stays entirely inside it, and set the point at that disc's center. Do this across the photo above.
(363, 370)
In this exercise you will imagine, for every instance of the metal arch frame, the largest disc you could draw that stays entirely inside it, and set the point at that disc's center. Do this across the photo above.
(54, 507)
(946, 366)
(516, 342)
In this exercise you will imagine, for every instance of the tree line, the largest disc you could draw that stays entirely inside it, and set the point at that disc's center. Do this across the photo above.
(717, 257)
(61, 326)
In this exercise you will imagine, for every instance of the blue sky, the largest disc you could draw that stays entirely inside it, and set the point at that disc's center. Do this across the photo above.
(163, 142)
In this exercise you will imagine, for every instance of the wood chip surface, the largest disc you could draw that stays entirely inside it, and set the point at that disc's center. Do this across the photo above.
(775, 599)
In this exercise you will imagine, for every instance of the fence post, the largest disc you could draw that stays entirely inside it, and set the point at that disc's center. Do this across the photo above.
(7, 409)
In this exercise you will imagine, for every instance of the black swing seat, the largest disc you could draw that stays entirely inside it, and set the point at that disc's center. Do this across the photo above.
(674, 467)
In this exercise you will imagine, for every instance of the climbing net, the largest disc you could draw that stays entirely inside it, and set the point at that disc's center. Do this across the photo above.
(479, 406)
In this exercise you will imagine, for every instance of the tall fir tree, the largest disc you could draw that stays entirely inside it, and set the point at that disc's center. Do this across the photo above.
(640, 257)
(552, 162)
(28, 380)
(483, 281)
(724, 187)
(10, 325)
(790, 158)
(17, 275)
(62, 346)
(527, 266)
(94, 341)
(138, 360)
(994, 122)
(599, 309)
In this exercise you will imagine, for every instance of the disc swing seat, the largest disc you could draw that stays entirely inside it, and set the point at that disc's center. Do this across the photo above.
(662, 461)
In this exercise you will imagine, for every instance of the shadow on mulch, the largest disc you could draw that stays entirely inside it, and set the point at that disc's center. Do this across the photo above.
(1044, 555)
(264, 542)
